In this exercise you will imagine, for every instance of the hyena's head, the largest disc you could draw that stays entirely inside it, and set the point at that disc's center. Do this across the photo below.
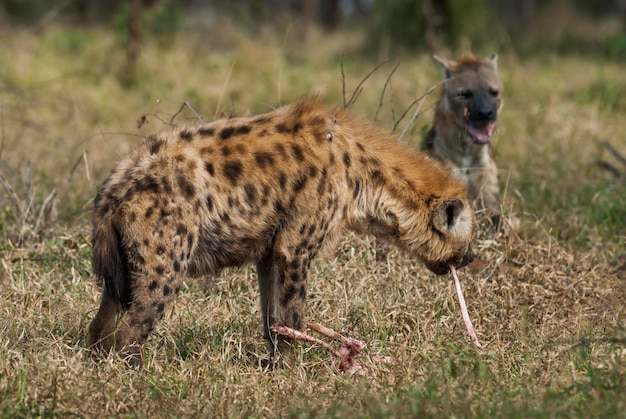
(473, 94)
(452, 223)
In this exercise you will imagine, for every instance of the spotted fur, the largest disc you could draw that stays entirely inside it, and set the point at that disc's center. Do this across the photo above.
(274, 190)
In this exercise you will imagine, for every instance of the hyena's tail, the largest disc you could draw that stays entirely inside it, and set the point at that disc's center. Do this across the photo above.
(110, 264)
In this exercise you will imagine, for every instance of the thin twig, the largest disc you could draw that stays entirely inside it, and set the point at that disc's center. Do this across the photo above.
(614, 152)
(343, 82)
(219, 102)
(8, 188)
(186, 103)
(419, 100)
(48, 199)
(358, 89)
(382, 95)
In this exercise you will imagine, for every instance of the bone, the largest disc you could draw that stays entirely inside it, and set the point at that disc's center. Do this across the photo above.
(466, 318)
(345, 358)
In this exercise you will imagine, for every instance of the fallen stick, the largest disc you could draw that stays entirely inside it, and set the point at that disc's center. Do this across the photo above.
(466, 319)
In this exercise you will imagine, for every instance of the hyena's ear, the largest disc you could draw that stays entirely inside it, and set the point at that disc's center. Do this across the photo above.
(493, 59)
(447, 214)
(446, 64)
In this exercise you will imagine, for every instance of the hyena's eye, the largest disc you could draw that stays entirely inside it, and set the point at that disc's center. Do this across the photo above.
(466, 94)
(494, 92)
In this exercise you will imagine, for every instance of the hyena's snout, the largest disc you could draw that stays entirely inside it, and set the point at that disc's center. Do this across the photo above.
(482, 112)
(480, 120)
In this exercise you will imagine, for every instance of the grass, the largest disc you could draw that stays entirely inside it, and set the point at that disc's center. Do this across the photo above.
(548, 302)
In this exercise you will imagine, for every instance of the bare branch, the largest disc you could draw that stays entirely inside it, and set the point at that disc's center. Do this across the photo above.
(419, 100)
(614, 152)
(186, 103)
(382, 95)
(358, 88)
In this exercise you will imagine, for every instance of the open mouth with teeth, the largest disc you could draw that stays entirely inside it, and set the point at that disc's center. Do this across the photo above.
(479, 131)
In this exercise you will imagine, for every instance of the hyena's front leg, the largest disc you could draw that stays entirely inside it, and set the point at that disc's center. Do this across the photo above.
(282, 284)
(485, 190)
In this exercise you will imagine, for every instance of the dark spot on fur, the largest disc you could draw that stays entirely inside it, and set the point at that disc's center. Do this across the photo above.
(160, 270)
(360, 146)
(166, 290)
(281, 128)
(206, 131)
(297, 127)
(312, 171)
(300, 183)
(297, 152)
(149, 212)
(302, 292)
(226, 133)
(278, 207)
(164, 213)
(242, 130)
(295, 317)
(346, 159)
(176, 266)
(280, 149)
(181, 230)
(226, 151)
(147, 184)
(282, 180)
(209, 168)
(232, 171)
(250, 193)
(288, 295)
(154, 144)
(186, 135)
(161, 307)
(357, 189)
(187, 187)
(377, 177)
(312, 229)
(263, 159)
(153, 285)
(209, 203)
(160, 250)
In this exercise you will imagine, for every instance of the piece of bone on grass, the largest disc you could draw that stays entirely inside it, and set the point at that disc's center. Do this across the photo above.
(357, 344)
(304, 337)
(344, 359)
(466, 319)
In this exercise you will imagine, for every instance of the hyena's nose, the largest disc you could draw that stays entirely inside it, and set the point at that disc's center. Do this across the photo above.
(484, 114)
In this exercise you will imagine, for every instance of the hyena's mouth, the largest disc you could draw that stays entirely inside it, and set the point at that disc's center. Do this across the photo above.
(480, 133)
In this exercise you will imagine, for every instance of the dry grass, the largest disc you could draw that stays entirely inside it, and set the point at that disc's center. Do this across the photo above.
(548, 303)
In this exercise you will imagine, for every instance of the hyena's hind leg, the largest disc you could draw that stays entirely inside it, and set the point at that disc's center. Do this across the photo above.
(152, 293)
(101, 333)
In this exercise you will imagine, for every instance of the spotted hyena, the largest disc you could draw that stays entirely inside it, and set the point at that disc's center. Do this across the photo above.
(272, 189)
(465, 118)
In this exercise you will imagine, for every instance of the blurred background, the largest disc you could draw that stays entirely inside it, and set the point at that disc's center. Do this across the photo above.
(81, 81)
